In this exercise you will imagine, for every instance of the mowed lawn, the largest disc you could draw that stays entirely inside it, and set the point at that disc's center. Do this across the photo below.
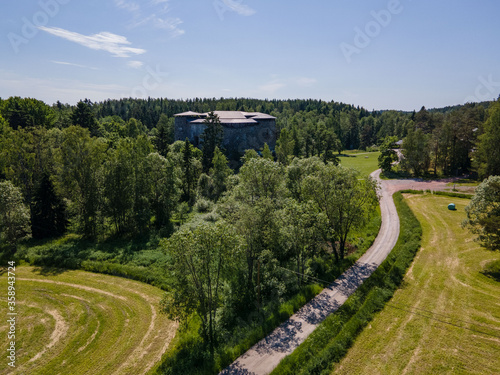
(78, 322)
(365, 162)
(446, 317)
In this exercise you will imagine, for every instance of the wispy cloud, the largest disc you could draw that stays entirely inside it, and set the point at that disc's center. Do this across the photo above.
(127, 5)
(170, 24)
(239, 7)
(155, 2)
(117, 45)
(271, 87)
(52, 89)
(135, 64)
(73, 64)
(306, 82)
(153, 13)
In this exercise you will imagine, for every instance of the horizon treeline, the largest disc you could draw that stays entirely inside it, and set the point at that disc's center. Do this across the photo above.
(100, 158)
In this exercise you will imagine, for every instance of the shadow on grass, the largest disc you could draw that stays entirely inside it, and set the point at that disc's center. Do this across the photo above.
(346, 156)
(492, 270)
(394, 175)
(49, 271)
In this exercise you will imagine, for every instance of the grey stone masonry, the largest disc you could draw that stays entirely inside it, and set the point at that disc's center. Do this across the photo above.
(242, 130)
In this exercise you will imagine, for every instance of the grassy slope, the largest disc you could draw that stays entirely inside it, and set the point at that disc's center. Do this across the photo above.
(366, 163)
(77, 322)
(417, 331)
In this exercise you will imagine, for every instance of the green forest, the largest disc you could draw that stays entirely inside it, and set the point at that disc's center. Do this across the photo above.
(104, 187)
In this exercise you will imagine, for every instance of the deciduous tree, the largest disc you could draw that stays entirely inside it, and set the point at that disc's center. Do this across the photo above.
(416, 152)
(165, 184)
(488, 153)
(387, 154)
(201, 259)
(344, 198)
(483, 213)
(14, 215)
(80, 161)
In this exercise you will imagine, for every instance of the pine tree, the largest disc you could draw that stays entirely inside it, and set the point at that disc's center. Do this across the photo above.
(266, 152)
(212, 138)
(220, 172)
(187, 175)
(84, 117)
(48, 212)
(164, 135)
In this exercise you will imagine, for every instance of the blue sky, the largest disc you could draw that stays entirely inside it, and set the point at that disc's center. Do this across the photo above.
(392, 54)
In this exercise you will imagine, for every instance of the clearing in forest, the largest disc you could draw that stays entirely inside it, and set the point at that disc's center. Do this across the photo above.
(365, 162)
(75, 322)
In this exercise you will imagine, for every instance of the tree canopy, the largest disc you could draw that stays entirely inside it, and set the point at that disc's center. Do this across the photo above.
(483, 213)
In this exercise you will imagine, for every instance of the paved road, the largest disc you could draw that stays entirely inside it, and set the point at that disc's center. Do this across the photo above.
(264, 356)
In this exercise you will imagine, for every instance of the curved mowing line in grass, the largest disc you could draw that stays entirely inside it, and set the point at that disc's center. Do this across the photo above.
(83, 323)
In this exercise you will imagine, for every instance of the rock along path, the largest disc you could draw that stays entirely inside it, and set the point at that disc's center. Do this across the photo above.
(264, 356)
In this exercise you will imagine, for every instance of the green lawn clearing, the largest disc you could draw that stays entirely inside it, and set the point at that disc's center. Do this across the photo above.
(365, 162)
(446, 317)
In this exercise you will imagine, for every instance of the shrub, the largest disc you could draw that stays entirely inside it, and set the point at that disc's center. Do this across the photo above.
(203, 205)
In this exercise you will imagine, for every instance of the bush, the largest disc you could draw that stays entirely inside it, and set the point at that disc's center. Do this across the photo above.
(493, 270)
(203, 205)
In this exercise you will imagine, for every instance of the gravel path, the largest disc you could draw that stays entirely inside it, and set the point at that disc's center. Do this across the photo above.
(264, 356)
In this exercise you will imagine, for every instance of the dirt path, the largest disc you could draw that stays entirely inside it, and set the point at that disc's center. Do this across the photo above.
(264, 356)
(60, 330)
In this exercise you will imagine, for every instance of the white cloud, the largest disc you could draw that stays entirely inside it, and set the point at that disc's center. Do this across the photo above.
(156, 2)
(51, 90)
(104, 41)
(306, 82)
(73, 64)
(155, 9)
(135, 64)
(239, 7)
(271, 87)
(127, 5)
(170, 24)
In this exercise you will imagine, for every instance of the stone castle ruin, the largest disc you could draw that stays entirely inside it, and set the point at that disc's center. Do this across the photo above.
(242, 130)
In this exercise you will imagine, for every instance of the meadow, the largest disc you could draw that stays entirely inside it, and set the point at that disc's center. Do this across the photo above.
(445, 319)
(76, 322)
(365, 162)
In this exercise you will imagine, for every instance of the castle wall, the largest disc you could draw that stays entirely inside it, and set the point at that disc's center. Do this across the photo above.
(250, 137)
(237, 138)
(181, 128)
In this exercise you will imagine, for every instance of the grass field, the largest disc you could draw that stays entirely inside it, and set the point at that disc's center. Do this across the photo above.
(365, 162)
(77, 322)
(446, 317)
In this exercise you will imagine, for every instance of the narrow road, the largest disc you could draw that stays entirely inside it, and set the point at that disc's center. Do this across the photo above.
(264, 356)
